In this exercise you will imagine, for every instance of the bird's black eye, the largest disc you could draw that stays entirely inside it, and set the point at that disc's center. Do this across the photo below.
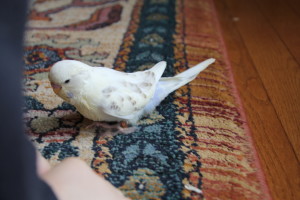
(67, 81)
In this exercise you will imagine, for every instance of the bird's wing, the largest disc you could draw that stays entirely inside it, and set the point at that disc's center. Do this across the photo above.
(129, 93)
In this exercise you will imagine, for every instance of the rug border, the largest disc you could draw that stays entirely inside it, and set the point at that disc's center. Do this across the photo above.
(260, 173)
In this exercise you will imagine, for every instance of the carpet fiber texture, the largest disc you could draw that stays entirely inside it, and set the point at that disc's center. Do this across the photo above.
(197, 136)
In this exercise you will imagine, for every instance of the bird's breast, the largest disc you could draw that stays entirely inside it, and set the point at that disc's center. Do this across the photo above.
(93, 112)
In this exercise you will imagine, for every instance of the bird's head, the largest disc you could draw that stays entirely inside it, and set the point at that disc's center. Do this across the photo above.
(62, 75)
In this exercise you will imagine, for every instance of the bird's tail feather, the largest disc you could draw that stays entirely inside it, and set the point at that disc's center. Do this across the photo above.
(193, 72)
(172, 83)
(166, 85)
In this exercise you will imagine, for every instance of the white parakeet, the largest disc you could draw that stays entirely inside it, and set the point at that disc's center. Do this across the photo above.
(103, 94)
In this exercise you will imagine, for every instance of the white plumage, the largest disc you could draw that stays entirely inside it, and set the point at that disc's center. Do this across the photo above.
(103, 94)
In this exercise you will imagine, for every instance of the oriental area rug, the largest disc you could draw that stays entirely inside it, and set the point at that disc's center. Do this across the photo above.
(195, 145)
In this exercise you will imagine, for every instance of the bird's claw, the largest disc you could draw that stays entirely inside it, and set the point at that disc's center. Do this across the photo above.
(113, 128)
(123, 124)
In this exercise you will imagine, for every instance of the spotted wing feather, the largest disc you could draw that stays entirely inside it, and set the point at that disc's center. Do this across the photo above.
(130, 92)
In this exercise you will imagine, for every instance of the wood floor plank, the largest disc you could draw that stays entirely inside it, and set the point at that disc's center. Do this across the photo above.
(285, 21)
(295, 5)
(277, 68)
(277, 157)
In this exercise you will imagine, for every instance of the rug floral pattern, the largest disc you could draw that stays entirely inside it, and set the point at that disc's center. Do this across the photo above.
(195, 137)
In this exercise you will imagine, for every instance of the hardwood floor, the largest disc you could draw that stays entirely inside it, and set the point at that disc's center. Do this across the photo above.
(262, 38)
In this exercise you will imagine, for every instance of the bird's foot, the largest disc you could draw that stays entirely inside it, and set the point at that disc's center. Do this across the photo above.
(123, 124)
(97, 124)
(127, 130)
(112, 127)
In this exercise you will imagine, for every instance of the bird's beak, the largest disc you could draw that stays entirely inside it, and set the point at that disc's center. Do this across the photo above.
(56, 87)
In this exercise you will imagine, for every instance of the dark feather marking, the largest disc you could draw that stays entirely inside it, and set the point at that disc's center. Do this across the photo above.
(145, 84)
(133, 102)
(108, 90)
(114, 106)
